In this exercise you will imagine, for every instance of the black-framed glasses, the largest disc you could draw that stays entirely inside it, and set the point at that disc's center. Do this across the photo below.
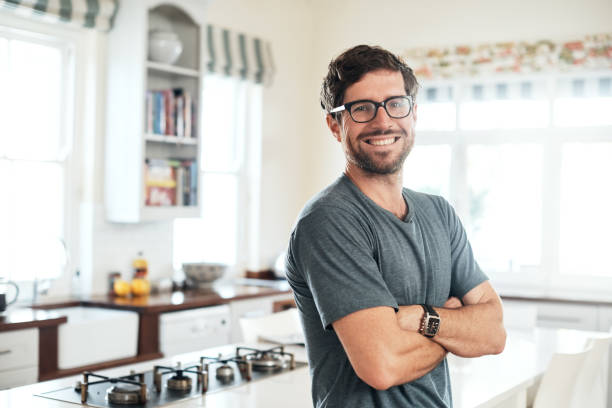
(364, 110)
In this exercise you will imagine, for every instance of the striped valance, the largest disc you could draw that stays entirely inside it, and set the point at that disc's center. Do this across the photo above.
(98, 14)
(236, 54)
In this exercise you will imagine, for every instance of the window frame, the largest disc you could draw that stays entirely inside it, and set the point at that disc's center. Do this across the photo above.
(78, 125)
(552, 139)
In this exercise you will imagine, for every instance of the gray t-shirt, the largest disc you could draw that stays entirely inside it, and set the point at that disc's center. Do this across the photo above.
(347, 254)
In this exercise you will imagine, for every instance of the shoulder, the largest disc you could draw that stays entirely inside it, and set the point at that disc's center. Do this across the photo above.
(428, 203)
(337, 203)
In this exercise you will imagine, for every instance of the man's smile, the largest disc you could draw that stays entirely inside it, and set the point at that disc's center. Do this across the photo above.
(381, 141)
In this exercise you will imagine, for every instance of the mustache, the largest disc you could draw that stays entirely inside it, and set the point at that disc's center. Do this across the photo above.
(383, 132)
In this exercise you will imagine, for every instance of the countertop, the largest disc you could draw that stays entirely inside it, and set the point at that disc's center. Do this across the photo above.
(16, 319)
(221, 293)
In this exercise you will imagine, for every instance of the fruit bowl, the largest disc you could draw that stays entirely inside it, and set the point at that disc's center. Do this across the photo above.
(203, 274)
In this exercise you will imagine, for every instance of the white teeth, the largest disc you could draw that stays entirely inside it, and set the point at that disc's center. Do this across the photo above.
(382, 142)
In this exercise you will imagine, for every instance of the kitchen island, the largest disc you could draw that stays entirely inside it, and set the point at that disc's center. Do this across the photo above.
(491, 381)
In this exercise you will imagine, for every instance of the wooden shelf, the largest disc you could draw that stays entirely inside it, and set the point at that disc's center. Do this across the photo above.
(172, 69)
(151, 137)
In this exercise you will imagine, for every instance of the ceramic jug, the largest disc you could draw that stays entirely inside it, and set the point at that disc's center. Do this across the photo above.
(3, 296)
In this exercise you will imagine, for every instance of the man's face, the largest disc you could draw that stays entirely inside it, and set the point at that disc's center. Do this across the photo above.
(381, 145)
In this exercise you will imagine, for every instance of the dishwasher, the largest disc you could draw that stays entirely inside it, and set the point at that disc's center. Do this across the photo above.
(194, 329)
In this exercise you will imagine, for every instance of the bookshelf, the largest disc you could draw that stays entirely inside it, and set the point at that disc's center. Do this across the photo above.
(153, 140)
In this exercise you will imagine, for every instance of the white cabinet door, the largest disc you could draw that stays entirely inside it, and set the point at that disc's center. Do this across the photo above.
(605, 318)
(567, 316)
(18, 357)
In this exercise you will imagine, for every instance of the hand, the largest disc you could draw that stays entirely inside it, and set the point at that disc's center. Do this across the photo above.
(452, 303)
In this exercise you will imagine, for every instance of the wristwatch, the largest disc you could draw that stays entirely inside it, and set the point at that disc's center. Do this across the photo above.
(430, 324)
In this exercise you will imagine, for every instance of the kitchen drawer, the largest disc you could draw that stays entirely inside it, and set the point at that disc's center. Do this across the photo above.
(567, 316)
(18, 377)
(18, 349)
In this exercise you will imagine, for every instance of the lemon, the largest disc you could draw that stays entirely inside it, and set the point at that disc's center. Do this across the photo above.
(121, 287)
(140, 287)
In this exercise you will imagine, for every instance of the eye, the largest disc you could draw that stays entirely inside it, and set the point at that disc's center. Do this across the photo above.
(362, 107)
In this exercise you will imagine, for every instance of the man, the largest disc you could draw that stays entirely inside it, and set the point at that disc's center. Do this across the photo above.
(384, 277)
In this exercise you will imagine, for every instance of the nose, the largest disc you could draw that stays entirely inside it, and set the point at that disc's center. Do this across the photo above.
(382, 117)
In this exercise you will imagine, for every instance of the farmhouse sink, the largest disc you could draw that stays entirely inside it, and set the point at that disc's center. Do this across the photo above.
(94, 335)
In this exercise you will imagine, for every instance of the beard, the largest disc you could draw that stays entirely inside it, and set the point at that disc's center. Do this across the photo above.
(377, 162)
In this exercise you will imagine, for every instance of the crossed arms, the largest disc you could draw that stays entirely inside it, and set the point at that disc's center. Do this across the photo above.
(385, 348)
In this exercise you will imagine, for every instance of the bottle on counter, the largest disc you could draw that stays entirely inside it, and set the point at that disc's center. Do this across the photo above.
(140, 285)
(141, 267)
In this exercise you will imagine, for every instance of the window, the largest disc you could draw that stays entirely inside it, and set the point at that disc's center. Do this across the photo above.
(526, 162)
(230, 151)
(37, 84)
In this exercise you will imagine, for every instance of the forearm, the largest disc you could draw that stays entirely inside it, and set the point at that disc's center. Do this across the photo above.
(381, 353)
(472, 330)
(467, 331)
(415, 357)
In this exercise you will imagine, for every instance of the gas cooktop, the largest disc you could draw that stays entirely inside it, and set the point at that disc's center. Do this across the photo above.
(164, 385)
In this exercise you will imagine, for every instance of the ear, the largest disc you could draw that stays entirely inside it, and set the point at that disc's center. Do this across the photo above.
(414, 112)
(334, 127)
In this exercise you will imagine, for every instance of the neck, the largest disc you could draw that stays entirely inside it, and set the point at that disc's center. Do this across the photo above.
(384, 189)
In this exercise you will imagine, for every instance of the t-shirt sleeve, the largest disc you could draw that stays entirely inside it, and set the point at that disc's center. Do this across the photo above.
(333, 253)
(465, 273)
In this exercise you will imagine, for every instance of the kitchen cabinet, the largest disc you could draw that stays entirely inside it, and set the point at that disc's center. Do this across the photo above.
(252, 308)
(18, 357)
(194, 329)
(153, 109)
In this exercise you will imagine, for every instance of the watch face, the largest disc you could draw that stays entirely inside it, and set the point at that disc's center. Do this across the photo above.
(433, 324)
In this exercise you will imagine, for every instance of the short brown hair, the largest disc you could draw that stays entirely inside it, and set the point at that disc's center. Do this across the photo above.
(350, 66)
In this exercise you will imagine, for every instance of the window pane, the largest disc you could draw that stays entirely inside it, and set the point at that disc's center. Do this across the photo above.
(436, 116)
(504, 114)
(505, 206)
(36, 230)
(223, 123)
(586, 218)
(594, 111)
(214, 237)
(32, 124)
(427, 169)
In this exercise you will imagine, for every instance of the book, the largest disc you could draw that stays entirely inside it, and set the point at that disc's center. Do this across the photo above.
(160, 183)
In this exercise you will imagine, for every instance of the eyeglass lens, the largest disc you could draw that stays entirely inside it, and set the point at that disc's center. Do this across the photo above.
(365, 111)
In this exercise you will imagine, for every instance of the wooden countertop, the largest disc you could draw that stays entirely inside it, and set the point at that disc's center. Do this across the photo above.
(173, 301)
(182, 300)
(16, 319)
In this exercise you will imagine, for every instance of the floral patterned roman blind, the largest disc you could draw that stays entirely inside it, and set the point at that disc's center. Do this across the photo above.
(593, 52)
(97, 14)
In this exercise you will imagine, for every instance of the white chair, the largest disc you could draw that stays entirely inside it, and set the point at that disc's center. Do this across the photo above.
(560, 386)
(594, 377)
(279, 326)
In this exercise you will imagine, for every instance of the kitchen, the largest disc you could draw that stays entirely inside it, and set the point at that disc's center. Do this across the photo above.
(304, 36)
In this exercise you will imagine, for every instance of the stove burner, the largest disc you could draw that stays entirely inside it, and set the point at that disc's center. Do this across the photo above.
(126, 390)
(179, 383)
(267, 360)
(125, 394)
(225, 374)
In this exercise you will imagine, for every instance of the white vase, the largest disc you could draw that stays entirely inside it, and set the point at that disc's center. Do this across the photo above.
(164, 46)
